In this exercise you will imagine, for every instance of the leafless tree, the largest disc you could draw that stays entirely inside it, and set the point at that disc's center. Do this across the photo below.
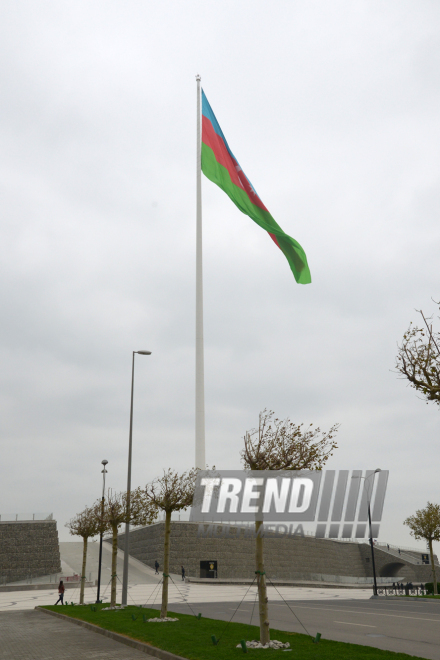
(281, 445)
(425, 524)
(87, 525)
(171, 492)
(115, 514)
(418, 359)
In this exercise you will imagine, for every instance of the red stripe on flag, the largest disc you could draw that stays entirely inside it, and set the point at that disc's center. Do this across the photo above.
(274, 238)
(223, 157)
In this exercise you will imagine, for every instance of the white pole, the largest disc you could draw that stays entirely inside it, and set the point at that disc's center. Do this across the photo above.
(200, 369)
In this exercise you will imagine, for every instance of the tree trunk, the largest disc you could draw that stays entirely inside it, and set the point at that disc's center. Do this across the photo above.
(262, 588)
(166, 565)
(114, 564)
(434, 577)
(83, 572)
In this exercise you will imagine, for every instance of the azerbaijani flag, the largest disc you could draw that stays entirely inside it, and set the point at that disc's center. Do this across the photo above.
(221, 167)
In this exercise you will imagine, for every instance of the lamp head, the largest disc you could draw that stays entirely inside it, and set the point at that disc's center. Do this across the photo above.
(377, 470)
(104, 463)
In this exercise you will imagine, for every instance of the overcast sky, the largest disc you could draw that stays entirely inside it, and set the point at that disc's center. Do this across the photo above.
(332, 111)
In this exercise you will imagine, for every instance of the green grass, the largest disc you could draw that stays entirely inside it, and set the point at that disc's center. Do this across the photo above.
(191, 637)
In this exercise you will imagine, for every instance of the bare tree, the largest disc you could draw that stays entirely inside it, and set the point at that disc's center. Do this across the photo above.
(85, 524)
(281, 445)
(115, 514)
(425, 524)
(171, 492)
(418, 359)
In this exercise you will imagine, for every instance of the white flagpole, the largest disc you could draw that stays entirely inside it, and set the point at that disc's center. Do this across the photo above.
(200, 369)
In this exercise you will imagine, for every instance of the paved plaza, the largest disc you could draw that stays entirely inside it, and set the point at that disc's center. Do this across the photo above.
(31, 635)
(179, 592)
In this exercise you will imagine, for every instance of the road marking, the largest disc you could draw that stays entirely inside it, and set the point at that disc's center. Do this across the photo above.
(395, 616)
(347, 623)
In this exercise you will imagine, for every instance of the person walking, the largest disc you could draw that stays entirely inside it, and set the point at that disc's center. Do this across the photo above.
(61, 590)
(183, 574)
(156, 566)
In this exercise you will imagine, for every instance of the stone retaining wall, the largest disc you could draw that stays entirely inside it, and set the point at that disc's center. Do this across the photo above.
(289, 558)
(285, 558)
(28, 549)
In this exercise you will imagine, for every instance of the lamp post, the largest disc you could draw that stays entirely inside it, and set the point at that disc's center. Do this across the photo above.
(127, 524)
(369, 520)
(103, 472)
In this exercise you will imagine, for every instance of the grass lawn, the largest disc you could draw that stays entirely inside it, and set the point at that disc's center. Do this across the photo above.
(191, 637)
(426, 596)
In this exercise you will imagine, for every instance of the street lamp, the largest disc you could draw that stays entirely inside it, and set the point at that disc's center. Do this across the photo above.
(103, 472)
(369, 520)
(127, 524)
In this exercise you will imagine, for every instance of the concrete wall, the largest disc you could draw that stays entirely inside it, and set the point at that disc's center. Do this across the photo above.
(287, 558)
(28, 549)
(394, 567)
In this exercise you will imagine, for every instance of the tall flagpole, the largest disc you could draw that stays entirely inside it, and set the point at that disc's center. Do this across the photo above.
(200, 369)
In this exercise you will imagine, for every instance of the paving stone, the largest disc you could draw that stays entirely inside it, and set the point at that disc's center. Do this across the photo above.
(31, 635)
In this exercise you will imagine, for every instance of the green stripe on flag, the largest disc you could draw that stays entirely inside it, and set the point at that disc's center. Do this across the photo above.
(291, 249)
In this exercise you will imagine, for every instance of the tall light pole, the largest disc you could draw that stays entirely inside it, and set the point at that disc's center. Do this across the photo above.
(103, 472)
(369, 520)
(127, 524)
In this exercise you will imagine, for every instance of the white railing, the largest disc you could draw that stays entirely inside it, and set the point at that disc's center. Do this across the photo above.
(385, 545)
(25, 517)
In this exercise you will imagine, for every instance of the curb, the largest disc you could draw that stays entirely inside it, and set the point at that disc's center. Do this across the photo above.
(128, 641)
(45, 586)
(279, 583)
(414, 598)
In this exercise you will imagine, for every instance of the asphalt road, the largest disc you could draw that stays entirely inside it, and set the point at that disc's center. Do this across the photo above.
(394, 625)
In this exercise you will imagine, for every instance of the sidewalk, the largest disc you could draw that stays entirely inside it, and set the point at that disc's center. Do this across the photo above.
(31, 635)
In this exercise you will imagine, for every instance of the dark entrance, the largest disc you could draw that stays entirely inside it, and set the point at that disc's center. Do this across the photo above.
(208, 569)
(393, 569)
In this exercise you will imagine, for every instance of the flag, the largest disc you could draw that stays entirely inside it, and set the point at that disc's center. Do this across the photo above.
(221, 167)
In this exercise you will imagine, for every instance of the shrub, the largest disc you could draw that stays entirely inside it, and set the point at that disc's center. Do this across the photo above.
(429, 586)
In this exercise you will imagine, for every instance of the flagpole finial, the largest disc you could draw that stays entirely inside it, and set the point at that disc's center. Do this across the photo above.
(198, 77)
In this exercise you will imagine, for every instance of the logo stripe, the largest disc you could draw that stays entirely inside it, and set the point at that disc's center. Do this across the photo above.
(347, 531)
(366, 495)
(327, 491)
(340, 495)
(320, 531)
(376, 513)
(360, 530)
(350, 511)
(333, 531)
(375, 530)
